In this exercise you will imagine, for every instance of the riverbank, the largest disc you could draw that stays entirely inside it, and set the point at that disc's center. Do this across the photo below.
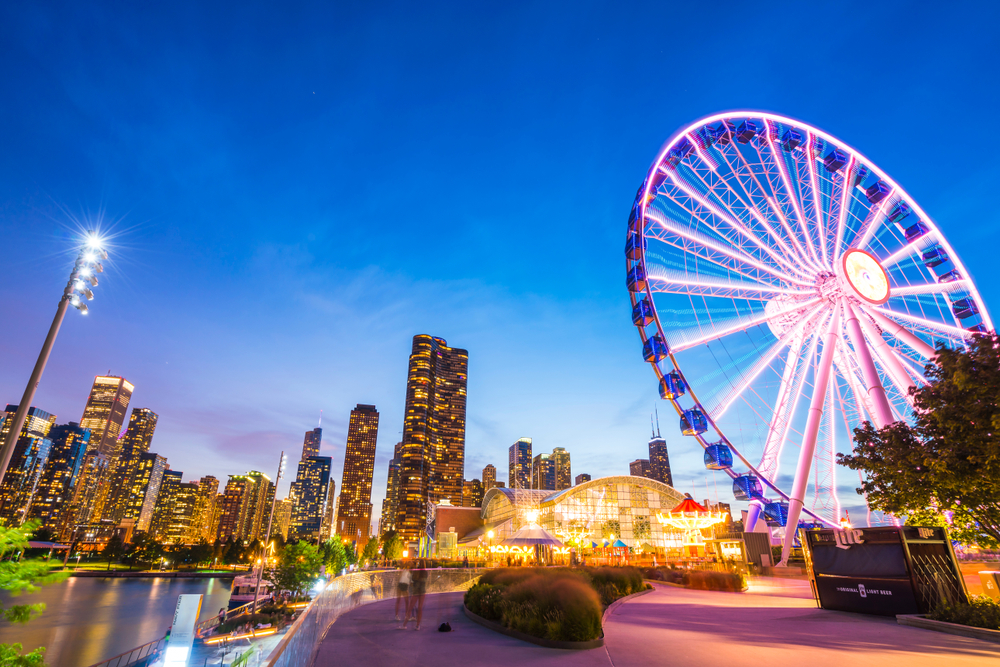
(151, 574)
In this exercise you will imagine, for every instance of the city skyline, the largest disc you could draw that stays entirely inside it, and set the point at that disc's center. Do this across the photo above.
(274, 283)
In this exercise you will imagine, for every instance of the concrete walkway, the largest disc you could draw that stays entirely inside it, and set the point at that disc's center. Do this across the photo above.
(775, 623)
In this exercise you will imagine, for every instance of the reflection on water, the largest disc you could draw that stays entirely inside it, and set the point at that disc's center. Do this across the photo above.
(88, 620)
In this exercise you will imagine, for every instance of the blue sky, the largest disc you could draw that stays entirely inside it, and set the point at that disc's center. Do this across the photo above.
(295, 191)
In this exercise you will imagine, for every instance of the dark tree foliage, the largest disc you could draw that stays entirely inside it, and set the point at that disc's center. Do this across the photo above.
(948, 462)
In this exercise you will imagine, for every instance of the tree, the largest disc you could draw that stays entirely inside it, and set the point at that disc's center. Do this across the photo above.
(113, 549)
(334, 555)
(145, 548)
(351, 553)
(948, 462)
(298, 567)
(392, 545)
(370, 552)
(22, 576)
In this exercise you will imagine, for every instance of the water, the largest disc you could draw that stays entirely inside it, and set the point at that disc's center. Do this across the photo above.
(89, 620)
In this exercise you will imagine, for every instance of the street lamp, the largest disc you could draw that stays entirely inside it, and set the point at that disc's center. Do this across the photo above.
(84, 272)
(260, 575)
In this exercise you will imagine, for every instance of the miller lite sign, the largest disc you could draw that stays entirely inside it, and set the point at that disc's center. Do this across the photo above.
(845, 538)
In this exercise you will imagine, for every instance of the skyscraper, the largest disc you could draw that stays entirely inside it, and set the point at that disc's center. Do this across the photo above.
(640, 468)
(543, 472)
(563, 469)
(163, 513)
(489, 477)
(60, 474)
(311, 443)
(235, 507)
(390, 506)
(87, 494)
(659, 459)
(309, 494)
(282, 518)
(433, 456)
(105, 412)
(260, 506)
(519, 470)
(354, 513)
(31, 451)
(136, 442)
(472, 493)
(582, 477)
(330, 515)
(204, 511)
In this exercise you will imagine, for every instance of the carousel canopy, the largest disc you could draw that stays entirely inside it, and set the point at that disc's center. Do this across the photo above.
(619, 543)
(688, 505)
(531, 535)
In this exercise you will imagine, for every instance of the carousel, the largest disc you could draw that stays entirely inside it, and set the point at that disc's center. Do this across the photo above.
(691, 518)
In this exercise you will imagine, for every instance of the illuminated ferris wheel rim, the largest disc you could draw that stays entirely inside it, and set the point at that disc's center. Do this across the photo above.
(856, 158)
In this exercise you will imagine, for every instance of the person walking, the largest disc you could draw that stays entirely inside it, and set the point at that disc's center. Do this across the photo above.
(403, 595)
(419, 589)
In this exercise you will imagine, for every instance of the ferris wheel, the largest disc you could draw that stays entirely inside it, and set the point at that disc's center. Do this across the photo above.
(786, 289)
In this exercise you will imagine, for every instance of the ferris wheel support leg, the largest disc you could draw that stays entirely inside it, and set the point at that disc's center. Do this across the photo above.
(889, 359)
(897, 330)
(821, 382)
(883, 413)
(753, 515)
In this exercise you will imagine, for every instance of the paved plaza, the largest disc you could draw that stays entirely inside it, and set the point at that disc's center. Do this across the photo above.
(775, 623)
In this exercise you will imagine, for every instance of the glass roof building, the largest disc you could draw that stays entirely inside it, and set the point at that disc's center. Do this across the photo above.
(623, 506)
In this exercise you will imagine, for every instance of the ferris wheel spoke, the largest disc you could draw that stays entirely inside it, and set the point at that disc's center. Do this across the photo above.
(774, 199)
(666, 281)
(720, 403)
(939, 329)
(746, 265)
(876, 217)
(789, 394)
(731, 221)
(789, 254)
(932, 288)
(779, 161)
(845, 204)
(910, 249)
(680, 340)
(817, 201)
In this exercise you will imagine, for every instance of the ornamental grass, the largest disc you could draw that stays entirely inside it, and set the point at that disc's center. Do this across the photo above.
(550, 604)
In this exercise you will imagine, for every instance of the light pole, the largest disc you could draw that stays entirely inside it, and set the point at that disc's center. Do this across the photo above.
(85, 271)
(267, 536)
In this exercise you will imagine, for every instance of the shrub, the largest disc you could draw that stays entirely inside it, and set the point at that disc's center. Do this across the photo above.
(716, 581)
(612, 583)
(981, 612)
(552, 604)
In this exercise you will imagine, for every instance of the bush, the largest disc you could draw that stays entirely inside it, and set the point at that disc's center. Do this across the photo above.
(981, 612)
(551, 604)
(612, 583)
(707, 580)
(670, 575)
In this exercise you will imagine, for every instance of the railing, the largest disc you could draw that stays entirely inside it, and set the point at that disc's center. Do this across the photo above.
(140, 655)
(209, 623)
(298, 647)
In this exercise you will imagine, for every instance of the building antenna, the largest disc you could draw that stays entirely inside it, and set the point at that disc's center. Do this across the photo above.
(321, 419)
(657, 421)
(652, 432)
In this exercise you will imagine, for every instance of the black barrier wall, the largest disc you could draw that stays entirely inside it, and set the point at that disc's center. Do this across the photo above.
(884, 571)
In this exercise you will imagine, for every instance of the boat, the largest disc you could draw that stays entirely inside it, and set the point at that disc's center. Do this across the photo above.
(244, 588)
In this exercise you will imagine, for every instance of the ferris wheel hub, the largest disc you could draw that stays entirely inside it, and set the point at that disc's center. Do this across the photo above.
(863, 276)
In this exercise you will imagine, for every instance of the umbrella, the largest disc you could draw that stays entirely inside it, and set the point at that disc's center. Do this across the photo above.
(619, 543)
(530, 536)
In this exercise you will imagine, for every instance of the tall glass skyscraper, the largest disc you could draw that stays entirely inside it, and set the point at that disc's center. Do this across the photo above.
(563, 469)
(60, 474)
(354, 510)
(433, 458)
(489, 477)
(659, 459)
(311, 443)
(105, 412)
(519, 465)
(309, 494)
(31, 451)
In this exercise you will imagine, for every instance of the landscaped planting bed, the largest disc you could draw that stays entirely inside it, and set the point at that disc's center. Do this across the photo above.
(981, 612)
(551, 603)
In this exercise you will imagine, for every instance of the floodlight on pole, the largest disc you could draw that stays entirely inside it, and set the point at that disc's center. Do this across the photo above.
(84, 270)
